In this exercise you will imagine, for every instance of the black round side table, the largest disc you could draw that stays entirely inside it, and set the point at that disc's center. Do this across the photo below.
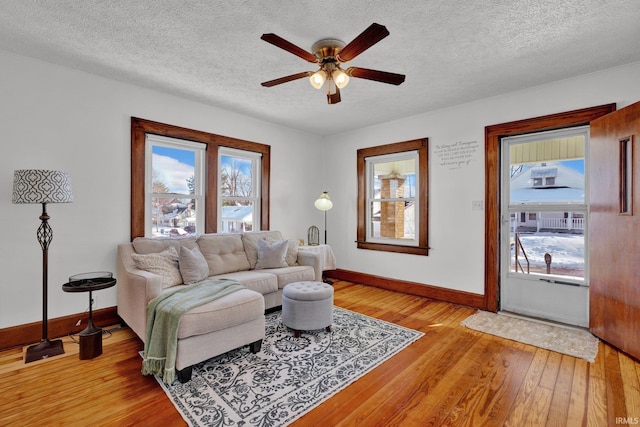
(91, 336)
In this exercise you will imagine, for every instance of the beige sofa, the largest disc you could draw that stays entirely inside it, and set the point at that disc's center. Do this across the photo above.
(222, 325)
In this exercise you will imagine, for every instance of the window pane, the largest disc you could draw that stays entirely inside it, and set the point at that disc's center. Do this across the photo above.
(374, 226)
(236, 176)
(393, 220)
(172, 170)
(394, 179)
(173, 217)
(560, 235)
(237, 216)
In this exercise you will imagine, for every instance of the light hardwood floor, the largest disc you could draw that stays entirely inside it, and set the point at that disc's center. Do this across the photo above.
(451, 376)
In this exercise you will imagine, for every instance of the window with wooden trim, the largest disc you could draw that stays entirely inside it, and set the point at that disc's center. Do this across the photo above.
(393, 197)
(198, 202)
(239, 178)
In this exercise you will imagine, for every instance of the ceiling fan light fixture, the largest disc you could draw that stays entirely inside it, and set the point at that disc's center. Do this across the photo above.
(328, 54)
(318, 78)
(340, 77)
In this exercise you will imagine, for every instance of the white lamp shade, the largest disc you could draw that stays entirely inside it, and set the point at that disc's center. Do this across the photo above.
(317, 79)
(41, 186)
(340, 77)
(323, 202)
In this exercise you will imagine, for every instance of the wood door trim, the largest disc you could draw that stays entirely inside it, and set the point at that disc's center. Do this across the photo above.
(493, 136)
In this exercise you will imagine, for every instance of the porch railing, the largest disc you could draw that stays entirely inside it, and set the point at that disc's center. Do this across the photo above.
(519, 248)
(562, 223)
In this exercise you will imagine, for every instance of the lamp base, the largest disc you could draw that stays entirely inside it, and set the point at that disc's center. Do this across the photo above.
(44, 349)
(90, 342)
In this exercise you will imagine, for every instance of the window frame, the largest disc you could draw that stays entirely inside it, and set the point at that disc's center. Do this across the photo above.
(371, 199)
(493, 137)
(422, 195)
(141, 127)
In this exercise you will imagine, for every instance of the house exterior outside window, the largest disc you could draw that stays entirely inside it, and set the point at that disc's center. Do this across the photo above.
(544, 176)
(392, 197)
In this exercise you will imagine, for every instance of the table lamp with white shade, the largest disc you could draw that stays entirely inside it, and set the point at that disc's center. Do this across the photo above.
(324, 203)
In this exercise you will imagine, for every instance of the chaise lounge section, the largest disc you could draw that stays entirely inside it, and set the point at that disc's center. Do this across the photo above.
(148, 267)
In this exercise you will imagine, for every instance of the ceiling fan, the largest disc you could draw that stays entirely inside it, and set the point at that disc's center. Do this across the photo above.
(329, 54)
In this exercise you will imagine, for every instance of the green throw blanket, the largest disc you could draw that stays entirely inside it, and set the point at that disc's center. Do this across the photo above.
(163, 319)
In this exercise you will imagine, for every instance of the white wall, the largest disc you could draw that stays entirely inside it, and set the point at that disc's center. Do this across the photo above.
(56, 118)
(456, 232)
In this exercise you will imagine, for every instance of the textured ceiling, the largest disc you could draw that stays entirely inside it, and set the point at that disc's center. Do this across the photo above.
(452, 51)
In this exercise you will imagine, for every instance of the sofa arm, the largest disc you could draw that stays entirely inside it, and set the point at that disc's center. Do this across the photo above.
(311, 259)
(135, 289)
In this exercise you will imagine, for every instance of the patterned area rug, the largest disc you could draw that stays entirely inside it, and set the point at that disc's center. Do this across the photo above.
(570, 341)
(289, 376)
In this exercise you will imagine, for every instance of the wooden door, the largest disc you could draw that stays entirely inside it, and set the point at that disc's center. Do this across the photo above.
(614, 229)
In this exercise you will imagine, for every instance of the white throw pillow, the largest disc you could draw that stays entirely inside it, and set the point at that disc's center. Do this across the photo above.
(193, 265)
(272, 254)
(292, 253)
(164, 264)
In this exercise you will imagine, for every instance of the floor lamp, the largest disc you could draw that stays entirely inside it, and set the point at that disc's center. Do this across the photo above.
(324, 203)
(42, 186)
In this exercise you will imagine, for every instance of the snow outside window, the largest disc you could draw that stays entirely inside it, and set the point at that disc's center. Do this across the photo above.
(547, 191)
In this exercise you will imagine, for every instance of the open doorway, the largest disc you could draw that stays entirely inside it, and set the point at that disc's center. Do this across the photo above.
(493, 222)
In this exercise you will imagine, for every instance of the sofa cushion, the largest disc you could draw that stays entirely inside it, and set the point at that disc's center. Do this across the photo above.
(193, 266)
(164, 264)
(234, 309)
(224, 253)
(271, 254)
(262, 282)
(250, 242)
(293, 274)
(152, 245)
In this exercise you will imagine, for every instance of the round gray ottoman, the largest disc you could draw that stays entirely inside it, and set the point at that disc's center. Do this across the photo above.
(307, 306)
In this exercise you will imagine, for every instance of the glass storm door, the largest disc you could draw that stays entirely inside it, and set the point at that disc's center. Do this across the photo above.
(544, 226)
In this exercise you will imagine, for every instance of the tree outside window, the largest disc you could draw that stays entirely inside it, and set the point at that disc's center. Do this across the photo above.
(239, 174)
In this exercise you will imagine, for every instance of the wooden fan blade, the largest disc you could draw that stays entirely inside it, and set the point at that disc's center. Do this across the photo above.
(378, 76)
(335, 98)
(364, 41)
(287, 79)
(289, 47)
